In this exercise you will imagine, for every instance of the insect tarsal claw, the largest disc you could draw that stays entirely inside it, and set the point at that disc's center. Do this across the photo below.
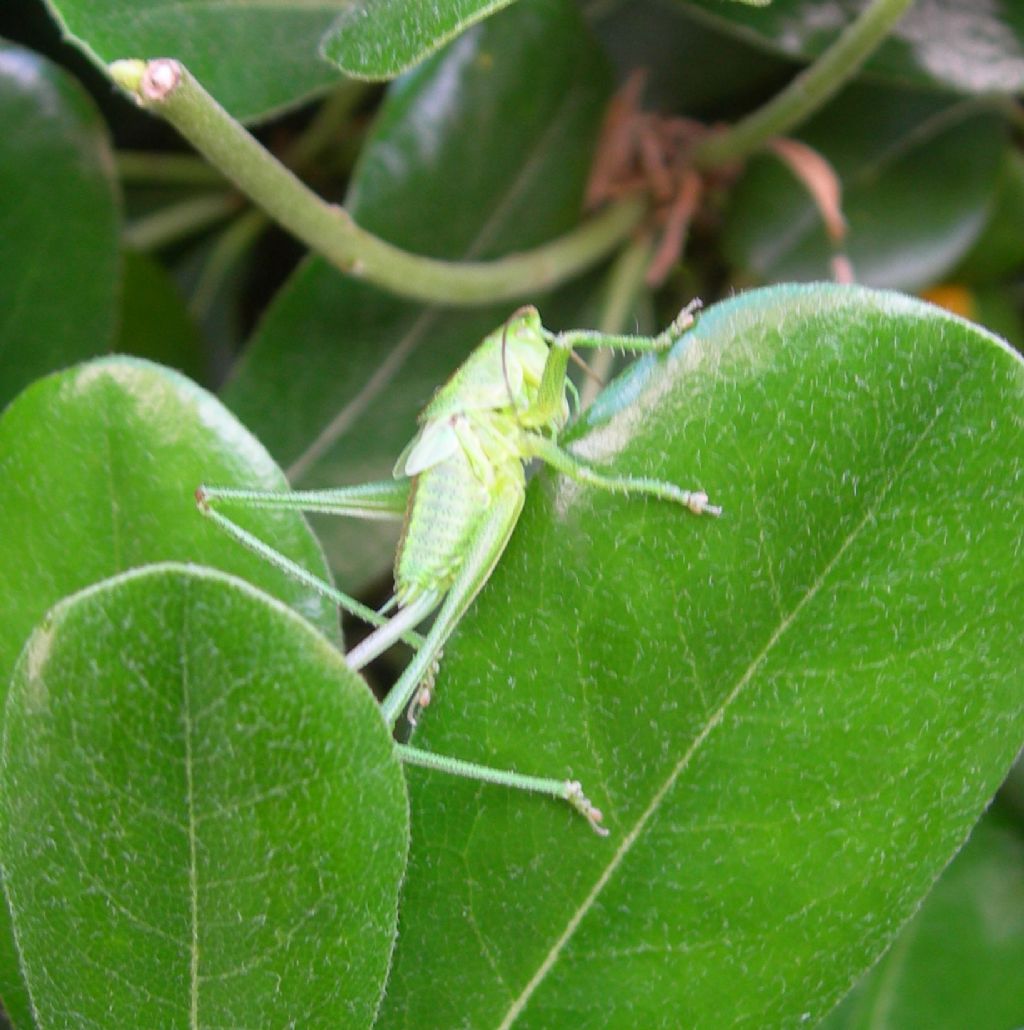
(698, 504)
(575, 796)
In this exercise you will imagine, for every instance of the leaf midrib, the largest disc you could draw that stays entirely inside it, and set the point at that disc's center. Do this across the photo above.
(193, 872)
(714, 720)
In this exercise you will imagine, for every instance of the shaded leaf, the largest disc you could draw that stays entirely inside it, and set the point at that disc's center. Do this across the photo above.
(970, 48)
(255, 58)
(469, 158)
(722, 76)
(918, 178)
(756, 702)
(155, 322)
(204, 821)
(958, 962)
(998, 252)
(59, 222)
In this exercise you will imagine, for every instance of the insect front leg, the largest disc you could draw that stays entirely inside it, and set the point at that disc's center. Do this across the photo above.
(385, 500)
(628, 341)
(551, 391)
(553, 455)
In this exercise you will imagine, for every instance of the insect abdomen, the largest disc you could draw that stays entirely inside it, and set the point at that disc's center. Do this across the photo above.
(446, 505)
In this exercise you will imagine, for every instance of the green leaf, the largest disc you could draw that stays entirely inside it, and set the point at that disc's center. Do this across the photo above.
(204, 821)
(100, 466)
(970, 48)
(155, 323)
(918, 178)
(994, 307)
(379, 39)
(59, 222)
(958, 962)
(469, 158)
(791, 716)
(255, 58)
(997, 309)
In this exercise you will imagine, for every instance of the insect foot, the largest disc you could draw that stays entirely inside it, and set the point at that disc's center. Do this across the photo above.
(425, 691)
(697, 502)
(575, 796)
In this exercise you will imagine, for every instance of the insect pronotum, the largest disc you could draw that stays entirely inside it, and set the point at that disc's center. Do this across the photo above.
(460, 486)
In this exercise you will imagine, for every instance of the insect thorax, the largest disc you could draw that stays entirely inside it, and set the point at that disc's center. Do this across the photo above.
(503, 373)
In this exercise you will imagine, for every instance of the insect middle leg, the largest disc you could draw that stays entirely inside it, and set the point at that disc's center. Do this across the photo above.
(551, 392)
(553, 455)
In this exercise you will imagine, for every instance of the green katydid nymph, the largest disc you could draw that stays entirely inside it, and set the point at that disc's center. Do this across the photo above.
(460, 487)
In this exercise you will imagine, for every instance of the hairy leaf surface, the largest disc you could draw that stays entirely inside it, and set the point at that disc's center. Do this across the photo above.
(791, 715)
(204, 821)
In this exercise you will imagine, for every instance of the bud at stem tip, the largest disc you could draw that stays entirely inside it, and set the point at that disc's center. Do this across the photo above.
(161, 78)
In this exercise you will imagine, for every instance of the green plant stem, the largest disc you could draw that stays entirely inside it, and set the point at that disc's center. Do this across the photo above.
(167, 88)
(170, 224)
(808, 91)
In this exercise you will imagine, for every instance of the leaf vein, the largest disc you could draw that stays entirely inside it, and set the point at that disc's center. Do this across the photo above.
(716, 718)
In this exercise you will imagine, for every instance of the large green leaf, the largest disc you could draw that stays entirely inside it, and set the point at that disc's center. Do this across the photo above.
(379, 39)
(958, 962)
(919, 177)
(59, 222)
(791, 716)
(469, 158)
(100, 465)
(255, 58)
(204, 821)
(968, 47)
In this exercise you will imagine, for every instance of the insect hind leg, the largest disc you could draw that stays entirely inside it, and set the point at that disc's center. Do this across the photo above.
(208, 498)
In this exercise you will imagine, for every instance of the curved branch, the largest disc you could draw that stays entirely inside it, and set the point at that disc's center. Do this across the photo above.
(809, 91)
(166, 87)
